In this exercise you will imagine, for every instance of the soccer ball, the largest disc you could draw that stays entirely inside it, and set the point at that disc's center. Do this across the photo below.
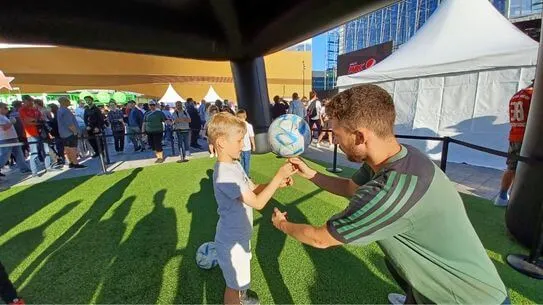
(289, 135)
(206, 256)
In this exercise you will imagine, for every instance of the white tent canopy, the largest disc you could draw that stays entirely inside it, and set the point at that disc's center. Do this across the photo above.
(455, 78)
(171, 96)
(211, 95)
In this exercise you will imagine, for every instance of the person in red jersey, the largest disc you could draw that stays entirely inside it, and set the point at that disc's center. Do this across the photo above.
(519, 106)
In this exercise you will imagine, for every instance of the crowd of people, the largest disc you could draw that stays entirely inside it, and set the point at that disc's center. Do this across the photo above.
(36, 138)
(313, 110)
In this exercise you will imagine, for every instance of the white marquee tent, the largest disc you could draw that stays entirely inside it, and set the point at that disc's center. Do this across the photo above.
(455, 78)
(211, 95)
(171, 96)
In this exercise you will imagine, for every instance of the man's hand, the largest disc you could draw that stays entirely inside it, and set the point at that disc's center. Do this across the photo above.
(278, 217)
(303, 170)
(286, 171)
(286, 182)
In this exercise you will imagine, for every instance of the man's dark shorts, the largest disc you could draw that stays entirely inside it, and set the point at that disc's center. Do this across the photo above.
(70, 141)
(514, 153)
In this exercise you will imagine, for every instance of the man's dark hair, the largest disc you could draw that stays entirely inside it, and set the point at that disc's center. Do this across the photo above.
(276, 98)
(16, 104)
(241, 111)
(131, 102)
(26, 98)
(295, 96)
(365, 106)
(312, 94)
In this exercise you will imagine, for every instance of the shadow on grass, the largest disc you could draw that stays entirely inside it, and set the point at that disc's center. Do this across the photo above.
(489, 223)
(136, 274)
(73, 264)
(73, 273)
(339, 273)
(24, 203)
(15, 250)
(197, 286)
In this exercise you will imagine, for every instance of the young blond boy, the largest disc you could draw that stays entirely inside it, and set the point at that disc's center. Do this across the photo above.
(236, 197)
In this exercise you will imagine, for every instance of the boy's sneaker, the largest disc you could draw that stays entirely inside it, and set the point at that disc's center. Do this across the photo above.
(500, 201)
(396, 298)
(248, 297)
(183, 160)
(18, 302)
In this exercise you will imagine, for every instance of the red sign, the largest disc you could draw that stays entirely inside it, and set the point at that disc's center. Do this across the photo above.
(361, 60)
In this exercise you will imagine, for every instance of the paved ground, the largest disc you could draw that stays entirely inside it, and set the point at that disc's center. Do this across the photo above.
(479, 181)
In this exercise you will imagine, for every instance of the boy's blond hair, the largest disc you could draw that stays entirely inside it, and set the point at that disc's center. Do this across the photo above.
(224, 124)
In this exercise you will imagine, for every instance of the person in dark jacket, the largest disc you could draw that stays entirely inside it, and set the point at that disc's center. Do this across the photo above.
(195, 123)
(135, 122)
(95, 122)
(279, 107)
(57, 141)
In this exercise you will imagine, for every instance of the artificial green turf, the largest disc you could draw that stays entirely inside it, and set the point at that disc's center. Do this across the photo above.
(130, 237)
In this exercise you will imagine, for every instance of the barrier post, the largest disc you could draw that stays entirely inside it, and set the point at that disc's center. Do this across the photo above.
(103, 139)
(334, 168)
(101, 153)
(445, 153)
(171, 141)
(531, 265)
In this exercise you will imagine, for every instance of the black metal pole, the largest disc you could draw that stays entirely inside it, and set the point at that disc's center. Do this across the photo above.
(334, 168)
(171, 141)
(445, 153)
(98, 138)
(106, 150)
(531, 265)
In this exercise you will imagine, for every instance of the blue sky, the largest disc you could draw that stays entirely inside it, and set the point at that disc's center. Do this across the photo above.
(319, 52)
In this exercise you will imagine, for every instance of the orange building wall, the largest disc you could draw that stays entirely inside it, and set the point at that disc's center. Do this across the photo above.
(61, 69)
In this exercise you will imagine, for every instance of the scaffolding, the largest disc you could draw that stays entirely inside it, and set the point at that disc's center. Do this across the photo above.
(332, 52)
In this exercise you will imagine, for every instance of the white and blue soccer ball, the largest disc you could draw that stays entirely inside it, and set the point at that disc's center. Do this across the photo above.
(289, 135)
(206, 256)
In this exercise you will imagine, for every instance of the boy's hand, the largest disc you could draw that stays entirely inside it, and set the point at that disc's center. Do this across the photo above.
(286, 171)
(286, 182)
(278, 217)
(303, 170)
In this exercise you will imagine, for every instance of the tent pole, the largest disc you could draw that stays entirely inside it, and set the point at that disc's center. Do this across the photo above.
(252, 95)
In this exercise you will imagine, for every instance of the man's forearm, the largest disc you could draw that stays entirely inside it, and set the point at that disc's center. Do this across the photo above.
(335, 185)
(301, 232)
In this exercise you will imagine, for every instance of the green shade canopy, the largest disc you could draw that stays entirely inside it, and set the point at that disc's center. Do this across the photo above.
(103, 97)
(119, 97)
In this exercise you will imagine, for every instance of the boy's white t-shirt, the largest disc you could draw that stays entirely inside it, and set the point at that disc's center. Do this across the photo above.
(235, 217)
(247, 138)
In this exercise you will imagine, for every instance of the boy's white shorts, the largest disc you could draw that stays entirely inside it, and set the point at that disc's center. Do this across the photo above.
(235, 262)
